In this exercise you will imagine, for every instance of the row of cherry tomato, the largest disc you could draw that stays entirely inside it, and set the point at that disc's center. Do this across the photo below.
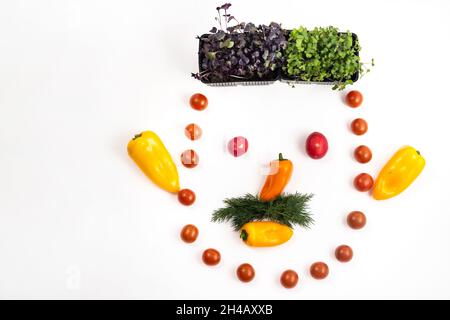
(289, 278)
(363, 182)
(189, 158)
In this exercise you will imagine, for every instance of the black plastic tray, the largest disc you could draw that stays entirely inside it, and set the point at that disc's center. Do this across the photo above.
(293, 80)
(235, 82)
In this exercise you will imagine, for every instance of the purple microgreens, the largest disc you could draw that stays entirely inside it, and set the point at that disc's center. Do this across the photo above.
(240, 51)
(225, 6)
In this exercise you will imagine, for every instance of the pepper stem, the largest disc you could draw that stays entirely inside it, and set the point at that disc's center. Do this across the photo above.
(137, 136)
(418, 152)
(244, 235)
(280, 157)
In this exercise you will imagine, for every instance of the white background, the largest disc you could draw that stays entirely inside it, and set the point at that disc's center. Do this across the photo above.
(78, 219)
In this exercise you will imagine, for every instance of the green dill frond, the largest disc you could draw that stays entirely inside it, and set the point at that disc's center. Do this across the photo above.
(287, 209)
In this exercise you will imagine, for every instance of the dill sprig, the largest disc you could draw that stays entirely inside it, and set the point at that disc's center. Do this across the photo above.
(287, 209)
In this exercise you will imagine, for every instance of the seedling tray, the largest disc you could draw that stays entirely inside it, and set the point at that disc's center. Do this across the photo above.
(277, 74)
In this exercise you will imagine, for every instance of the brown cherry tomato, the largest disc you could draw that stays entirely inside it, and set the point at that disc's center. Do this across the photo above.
(186, 197)
(359, 126)
(319, 270)
(344, 253)
(189, 158)
(211, 257)
(198, 101)
(363, 154)
(189, 233)
(193, 131)
(363, 182)
(354, 99)
(245, 272)
(289, 279)
(356, 220)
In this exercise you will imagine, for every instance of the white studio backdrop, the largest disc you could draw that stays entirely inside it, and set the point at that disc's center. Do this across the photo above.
(78, 220)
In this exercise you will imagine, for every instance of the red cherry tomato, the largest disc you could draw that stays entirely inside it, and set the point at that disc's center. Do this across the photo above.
(189, 158)
(186, 197)
(238, 146)
(245, 272)
(319, 270)
(354, 99)
(198, 102)
(316, 145)
(363, 182)
(359, 126)
(193, 131)
(356, 219)
(344, 253)
(289, 279)
(363, 154)
(211, 257)
(189, 233)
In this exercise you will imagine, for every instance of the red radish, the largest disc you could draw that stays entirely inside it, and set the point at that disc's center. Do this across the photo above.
(238, 146)
(316, 145)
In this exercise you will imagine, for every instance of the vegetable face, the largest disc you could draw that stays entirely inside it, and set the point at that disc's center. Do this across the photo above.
(150, 154)
(265, 233)
(276, 181)
(398, 173)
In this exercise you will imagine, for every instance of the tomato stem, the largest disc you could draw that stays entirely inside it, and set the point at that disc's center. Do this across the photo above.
(244, 235)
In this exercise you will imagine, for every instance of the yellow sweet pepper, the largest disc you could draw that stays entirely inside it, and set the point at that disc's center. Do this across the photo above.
(398, 173)
(265, 233)
(150, 154)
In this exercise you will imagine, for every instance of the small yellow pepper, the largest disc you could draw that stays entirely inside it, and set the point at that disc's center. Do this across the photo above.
(265, 233)
(150, 154)
(398, 173)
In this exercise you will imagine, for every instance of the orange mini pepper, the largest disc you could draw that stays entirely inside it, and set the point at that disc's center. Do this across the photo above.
(276, 181)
